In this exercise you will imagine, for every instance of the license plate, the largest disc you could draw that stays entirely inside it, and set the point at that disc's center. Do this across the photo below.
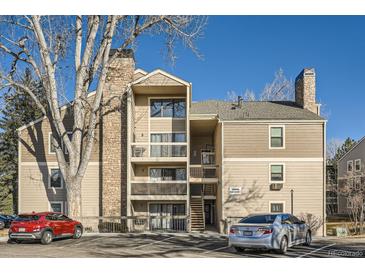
(247, 233)
(21, 229)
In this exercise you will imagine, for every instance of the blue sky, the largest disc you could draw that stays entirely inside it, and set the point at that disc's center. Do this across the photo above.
(243, 52)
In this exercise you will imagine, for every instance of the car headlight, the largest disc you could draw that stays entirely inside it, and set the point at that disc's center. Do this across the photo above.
(37, 229)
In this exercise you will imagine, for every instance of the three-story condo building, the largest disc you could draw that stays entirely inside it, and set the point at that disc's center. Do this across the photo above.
(158, 153)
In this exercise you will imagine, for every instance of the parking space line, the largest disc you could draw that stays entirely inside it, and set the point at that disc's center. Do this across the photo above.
(316, 250)
(217, 249)
(155, 242)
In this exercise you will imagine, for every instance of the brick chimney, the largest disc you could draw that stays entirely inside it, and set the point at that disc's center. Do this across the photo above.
(305, 90)
(114, 135)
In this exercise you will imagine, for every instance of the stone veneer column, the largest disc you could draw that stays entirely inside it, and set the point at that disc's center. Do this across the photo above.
(305, 90)
(114, 136)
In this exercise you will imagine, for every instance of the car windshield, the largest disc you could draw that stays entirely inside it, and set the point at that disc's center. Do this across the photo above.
(27, 218)
(259, 219)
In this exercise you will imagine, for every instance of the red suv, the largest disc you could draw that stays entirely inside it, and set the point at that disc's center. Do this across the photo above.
(44, 226)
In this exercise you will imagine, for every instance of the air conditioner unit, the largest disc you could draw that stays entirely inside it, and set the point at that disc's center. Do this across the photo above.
(276, 186)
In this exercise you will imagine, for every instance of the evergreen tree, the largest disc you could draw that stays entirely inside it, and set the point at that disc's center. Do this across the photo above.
(342, 150)
(17, 109)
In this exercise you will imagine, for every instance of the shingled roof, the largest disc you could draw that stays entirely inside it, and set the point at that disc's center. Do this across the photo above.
(273, 110)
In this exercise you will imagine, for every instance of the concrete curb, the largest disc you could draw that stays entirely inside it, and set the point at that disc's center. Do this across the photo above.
(3, 239)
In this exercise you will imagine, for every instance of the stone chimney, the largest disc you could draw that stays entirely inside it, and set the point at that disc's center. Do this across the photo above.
(113, 147)
(305, 90)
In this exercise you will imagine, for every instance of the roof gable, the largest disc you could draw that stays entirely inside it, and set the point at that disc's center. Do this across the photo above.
(159, 78)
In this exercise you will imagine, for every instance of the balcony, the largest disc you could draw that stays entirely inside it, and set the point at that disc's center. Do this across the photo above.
(159, 152)
(203, 174)
(159, 188)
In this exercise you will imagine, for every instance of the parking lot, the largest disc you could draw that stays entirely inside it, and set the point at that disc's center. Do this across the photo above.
(150, 245)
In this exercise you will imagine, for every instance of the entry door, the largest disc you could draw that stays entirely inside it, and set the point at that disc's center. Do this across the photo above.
(207, 213)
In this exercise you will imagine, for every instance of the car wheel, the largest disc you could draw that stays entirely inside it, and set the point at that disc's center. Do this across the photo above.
(239, 249)
(47, 237)
(283, 245)
(308, 239)
(13, 241)
(77, 233)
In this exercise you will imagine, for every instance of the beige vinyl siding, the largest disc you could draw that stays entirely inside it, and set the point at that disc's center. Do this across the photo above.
(301, 140)
(141, 118)
(305, 178)
(167, 125)
(35, 196)
(159, 80)
(35, 143)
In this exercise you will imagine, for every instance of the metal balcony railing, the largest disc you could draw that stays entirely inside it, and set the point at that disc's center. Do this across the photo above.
(123, 224)
(156, 188)
(199, 171)
(159, 150)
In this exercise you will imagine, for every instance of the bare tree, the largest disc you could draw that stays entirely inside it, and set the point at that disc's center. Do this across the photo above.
(76, 49)
(314, 222)
(332, 147)
(352, 188)
(280, 89)
(249, 95)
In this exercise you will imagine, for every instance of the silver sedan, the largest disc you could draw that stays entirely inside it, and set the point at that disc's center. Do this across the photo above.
(269, 231)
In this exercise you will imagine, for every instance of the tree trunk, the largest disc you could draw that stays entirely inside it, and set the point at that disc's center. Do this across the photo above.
(74, 198)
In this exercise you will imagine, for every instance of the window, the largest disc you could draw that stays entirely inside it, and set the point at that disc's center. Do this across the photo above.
(56, 206)
(174, 108)
(159, 221)
(358, 165)
(350, 165)
(277, 137)
(168, 137)
(168, 151)
(349, 203)
(277, 207)
(258, 219)
(277, 173)
(52, 149)
(357, 182)
(168, 174)
(55, 178)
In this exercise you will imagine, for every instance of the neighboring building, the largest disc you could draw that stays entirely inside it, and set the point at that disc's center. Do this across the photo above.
(163, 154)
(331, 191)
(351, 167)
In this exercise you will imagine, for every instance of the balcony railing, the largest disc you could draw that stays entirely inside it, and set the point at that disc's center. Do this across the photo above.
(207, 158)
(123, 224)
(159, 150)
(200, 171)
(155, 188)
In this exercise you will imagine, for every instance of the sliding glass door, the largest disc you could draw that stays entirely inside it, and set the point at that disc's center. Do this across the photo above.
(162, 216)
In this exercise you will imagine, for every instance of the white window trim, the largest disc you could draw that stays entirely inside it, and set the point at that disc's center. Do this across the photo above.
(347, 204)
(50, 144)
(283, 127)
(55, 202)
(166, 97)
(276, 202)
(347, 165)
(284, 175)
(49, 178)
(357, 160)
